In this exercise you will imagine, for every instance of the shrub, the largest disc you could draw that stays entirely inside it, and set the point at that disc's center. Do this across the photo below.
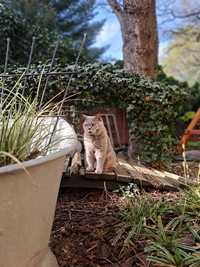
(152, 107)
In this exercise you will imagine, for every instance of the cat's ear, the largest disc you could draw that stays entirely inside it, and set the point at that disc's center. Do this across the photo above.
(84, 116)
(98, 117)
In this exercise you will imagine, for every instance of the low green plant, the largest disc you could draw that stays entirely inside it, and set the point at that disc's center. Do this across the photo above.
(177, 255)
(170, 228)
(166, 247)
(189, 205)
(186, 117)
(141, 213)
(21, 125)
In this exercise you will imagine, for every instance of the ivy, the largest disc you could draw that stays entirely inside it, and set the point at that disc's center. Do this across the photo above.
(152, 107)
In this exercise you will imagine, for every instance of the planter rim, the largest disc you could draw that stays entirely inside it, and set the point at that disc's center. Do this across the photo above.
(37, 161)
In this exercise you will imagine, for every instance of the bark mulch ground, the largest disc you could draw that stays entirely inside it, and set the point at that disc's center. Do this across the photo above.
(87, 227)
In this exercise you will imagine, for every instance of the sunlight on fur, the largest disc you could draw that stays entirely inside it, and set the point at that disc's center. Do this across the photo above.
(99, 153)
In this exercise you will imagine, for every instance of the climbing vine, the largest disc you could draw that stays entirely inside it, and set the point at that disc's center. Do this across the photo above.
(152, 107)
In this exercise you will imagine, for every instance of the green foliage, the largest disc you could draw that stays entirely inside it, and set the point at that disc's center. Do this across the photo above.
(187, 116)
(182, 59)
(195, 97)
(73, 18)
(140, 213)
(193, 102)
(169, 227)
(23, 132)
(169, 80)
(48, 21)
(152, 107)
(17, 24)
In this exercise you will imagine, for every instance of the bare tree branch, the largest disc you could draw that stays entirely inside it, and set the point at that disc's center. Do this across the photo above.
(116, 7)
(183, 16)
(114, 4)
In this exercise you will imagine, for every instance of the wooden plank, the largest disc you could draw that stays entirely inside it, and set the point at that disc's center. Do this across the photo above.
(126, 172)
(194, 132)
(193, 123)
(152, 175)
(99, 182)
(193, 138)
(75, 181)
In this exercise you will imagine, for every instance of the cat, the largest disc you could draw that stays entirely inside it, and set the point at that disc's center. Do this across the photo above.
(100, 155)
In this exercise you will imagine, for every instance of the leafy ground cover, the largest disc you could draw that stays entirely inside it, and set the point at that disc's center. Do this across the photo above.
(127, 228)
(105, 85)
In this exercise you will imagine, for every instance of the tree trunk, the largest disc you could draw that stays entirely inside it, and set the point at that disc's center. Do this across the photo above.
(139, 33)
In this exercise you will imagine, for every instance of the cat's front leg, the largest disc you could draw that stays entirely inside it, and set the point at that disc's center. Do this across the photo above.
(90, 160)
(100, 161)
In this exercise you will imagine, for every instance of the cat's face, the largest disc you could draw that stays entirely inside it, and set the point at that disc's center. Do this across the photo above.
(93, 125)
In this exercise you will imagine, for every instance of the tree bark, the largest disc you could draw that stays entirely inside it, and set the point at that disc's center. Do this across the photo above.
(138, 23)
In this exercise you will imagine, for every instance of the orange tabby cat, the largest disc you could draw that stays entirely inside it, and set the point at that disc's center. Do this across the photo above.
(100, 155)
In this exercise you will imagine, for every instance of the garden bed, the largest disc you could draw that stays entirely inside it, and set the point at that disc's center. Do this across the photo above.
(86, 229)
(97, 228)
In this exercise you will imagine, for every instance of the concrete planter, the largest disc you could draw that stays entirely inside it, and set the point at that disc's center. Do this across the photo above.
(27, 206)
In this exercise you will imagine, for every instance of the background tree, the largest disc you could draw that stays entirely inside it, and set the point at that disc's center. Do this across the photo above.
(20, 24)
(48, 20)
(181, 24)
(139, 34)
(73, 18)
(182, 59)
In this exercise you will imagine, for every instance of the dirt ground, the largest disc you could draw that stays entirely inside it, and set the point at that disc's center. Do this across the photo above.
(192, 166)
(87, 227)
(84, 229)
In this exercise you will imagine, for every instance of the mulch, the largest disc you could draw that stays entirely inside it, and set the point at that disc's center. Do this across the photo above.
(193, 169)
(86, 223)
(87, 228)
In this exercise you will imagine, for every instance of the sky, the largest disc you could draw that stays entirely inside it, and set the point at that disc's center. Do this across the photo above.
(111, 35)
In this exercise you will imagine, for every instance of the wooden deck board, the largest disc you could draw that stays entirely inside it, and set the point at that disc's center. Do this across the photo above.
(126, 172)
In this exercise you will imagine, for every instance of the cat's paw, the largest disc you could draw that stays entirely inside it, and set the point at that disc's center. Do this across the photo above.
(98, 171)
(89, 169)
